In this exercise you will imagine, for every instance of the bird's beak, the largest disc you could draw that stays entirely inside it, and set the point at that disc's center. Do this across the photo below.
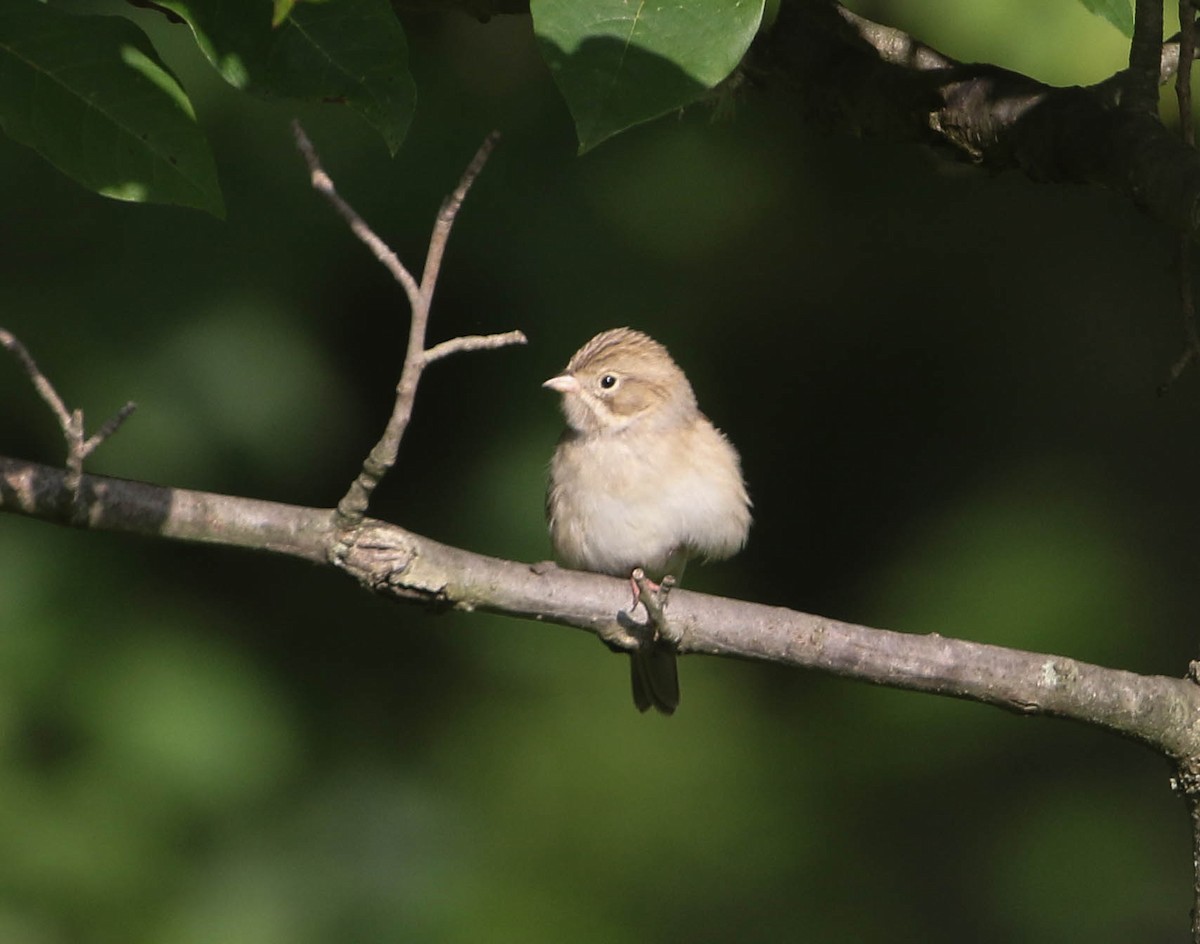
(563, 383)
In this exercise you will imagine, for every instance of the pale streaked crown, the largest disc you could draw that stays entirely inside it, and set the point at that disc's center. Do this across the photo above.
(619, 375)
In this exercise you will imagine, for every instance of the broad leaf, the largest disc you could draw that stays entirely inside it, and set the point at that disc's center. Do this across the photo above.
(90, 95)
(619, 63)
(1118, 12)
(345, 51)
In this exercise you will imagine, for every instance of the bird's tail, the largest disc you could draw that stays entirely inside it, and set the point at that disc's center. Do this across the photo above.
(655, 678)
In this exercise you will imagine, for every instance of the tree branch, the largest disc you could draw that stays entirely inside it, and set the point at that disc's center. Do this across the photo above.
(352, 508)
(323, 184)
(473, 342)
(1161, 712)
(857, 76)
(69, 421)
(1145, 57)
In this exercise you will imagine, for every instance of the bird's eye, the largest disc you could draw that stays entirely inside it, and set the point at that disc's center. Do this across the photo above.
(608, 381)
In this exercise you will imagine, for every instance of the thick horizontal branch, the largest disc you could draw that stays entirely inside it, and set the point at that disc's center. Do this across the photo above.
(1161, 712)
(109, 504)
(872, 80)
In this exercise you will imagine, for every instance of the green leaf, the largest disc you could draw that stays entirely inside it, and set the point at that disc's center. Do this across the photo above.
(1118, 12)
(283, 9)
(350, 52)
(622, 62)
(90, 95)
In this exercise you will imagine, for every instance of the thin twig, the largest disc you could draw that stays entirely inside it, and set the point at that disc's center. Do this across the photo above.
(353, 506)
(415, 359)
(43, 386)
(473, 342)
(323, 184)
(1171, 53)
(447, 214)
(111, 426)
(69, 421)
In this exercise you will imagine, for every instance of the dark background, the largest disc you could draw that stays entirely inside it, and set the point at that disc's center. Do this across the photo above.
(943, 386)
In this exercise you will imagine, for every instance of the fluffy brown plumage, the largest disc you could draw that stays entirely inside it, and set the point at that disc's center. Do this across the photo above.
(640, 478)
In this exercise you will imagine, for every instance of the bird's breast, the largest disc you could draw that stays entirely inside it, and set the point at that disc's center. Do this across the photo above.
(646, 500)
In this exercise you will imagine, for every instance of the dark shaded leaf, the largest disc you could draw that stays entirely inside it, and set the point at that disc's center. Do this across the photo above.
(618, 64)
(90, 95)
(352, 52)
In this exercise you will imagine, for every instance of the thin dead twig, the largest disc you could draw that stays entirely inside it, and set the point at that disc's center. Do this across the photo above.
(323, 184)
(43, 386)
(445, 221)
(353, 506)
(69, 421)
(473, 342)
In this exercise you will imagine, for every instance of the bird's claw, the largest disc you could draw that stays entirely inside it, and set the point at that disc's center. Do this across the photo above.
(652, 596)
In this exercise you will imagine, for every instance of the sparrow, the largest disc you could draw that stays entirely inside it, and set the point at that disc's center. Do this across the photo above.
(640, 479)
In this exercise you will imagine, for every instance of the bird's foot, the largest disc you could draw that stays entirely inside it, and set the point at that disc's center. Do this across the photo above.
(653, 596)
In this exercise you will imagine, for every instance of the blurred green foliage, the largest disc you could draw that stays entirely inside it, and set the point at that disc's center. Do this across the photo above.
(943, 389)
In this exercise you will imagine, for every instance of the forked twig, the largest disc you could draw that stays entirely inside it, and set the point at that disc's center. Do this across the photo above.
(353, 505)
(69, 421)
(323, 184)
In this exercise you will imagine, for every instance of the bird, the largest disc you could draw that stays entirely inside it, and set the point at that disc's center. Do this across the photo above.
(640, 478)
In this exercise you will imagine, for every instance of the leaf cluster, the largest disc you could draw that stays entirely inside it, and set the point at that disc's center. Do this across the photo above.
(91, 94)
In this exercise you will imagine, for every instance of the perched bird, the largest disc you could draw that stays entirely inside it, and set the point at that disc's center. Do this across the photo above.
(640, 478)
